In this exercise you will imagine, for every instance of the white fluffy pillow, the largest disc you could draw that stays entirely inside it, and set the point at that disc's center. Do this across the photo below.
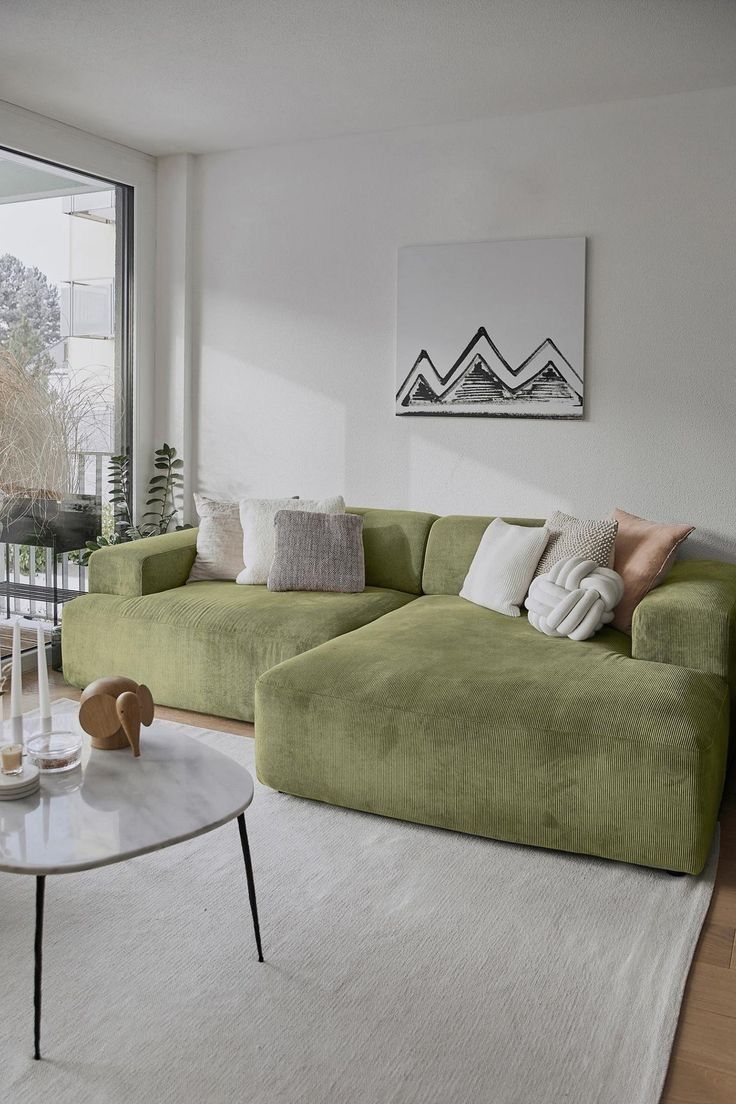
(259, 535)
(219, 540)
(504, 566)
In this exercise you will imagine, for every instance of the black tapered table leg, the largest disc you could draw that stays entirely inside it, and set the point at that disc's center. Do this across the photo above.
(251, 883)
(38, 955)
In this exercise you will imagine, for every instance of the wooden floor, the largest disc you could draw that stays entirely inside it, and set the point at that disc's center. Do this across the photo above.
(703, 1066)
(27, 638)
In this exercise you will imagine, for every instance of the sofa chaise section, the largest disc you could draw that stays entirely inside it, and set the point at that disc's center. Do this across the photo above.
(449, 714)
(201, 646)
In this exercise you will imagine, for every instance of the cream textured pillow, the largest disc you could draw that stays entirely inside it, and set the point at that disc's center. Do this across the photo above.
(645, 552)
(219, 540)
(257, 516)
(504, 565)
(569, 536)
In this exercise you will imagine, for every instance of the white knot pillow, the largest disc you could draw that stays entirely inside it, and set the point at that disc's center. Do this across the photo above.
(575, 598)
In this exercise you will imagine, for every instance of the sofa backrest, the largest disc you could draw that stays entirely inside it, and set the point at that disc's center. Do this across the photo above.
(452, 543)
(394, 542)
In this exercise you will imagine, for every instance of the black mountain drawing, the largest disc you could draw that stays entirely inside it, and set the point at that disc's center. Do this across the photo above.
(422, 392)
(481, 381)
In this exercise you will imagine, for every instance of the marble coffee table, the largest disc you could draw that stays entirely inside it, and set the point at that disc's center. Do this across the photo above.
(115, 807)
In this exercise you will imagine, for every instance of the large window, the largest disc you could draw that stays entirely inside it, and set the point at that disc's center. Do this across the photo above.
(65, 375)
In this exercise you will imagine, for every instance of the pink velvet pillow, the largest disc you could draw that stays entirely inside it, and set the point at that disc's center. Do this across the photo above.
(643, 555)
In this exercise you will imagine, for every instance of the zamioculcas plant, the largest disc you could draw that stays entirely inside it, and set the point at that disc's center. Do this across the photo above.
(120, 496)
(164, 490)
(163, 501)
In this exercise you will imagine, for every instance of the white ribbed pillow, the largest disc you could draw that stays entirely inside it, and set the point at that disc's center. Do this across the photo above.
(257, 516)
(504, 566)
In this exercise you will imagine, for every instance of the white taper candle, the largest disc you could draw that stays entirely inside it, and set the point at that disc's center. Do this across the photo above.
(44, 702)
(16, 676)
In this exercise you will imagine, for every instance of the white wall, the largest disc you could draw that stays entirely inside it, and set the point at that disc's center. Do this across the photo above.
(27, 132)
(173, 391)
(293, 311)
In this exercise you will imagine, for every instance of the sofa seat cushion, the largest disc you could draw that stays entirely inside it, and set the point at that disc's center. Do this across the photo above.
(203, 646)
(450, 714)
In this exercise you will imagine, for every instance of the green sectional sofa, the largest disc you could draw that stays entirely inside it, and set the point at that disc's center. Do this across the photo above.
(408, 701)
(203, 646)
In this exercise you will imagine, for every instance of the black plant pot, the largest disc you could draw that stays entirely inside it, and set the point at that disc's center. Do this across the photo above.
(64, 525)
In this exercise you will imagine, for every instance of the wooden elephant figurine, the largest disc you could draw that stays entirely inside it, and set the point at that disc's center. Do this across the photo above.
(112, 711)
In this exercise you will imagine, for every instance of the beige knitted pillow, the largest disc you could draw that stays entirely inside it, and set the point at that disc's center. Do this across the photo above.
(318, 552)
(219, 540)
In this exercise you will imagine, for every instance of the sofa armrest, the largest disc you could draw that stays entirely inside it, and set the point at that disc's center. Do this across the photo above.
(690, 620)
(143, 566)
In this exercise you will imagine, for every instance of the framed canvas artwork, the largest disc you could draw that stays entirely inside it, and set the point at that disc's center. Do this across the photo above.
(492, 329)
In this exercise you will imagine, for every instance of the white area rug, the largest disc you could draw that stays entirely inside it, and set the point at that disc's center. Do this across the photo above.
(403, 964)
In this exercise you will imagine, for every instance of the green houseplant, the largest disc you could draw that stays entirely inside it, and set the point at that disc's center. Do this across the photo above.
(163, 500)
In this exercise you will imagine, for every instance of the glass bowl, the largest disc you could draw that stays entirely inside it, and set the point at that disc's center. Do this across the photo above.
(55, 751)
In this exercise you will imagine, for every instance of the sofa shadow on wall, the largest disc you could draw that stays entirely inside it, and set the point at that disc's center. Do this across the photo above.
(707, 544)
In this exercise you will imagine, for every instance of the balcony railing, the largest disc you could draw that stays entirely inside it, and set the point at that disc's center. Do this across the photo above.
(88, 309)
(29, 586)
(99, 206)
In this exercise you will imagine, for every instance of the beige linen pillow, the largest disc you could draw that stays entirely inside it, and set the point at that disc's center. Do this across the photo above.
(322, 552)
(570, 536)
(219, 540)
(257, 517)
(645, 551)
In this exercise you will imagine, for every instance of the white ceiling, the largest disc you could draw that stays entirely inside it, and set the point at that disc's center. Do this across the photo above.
(201, 75)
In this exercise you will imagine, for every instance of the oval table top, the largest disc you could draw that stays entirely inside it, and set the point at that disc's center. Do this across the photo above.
(114, 806)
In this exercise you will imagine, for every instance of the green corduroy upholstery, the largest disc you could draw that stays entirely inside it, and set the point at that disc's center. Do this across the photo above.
(394, 542)
(203, 646)
(449, 714)
(143, 567)
(436, 710)
(453, 541)
(690, 620)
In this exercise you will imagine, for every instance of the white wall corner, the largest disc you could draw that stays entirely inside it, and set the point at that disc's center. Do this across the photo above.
(173, 366)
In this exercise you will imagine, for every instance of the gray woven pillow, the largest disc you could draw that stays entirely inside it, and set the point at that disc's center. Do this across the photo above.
(569, 536)
(318, 552)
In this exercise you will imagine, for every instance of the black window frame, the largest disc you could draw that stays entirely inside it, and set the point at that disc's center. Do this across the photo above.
(124, 302)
